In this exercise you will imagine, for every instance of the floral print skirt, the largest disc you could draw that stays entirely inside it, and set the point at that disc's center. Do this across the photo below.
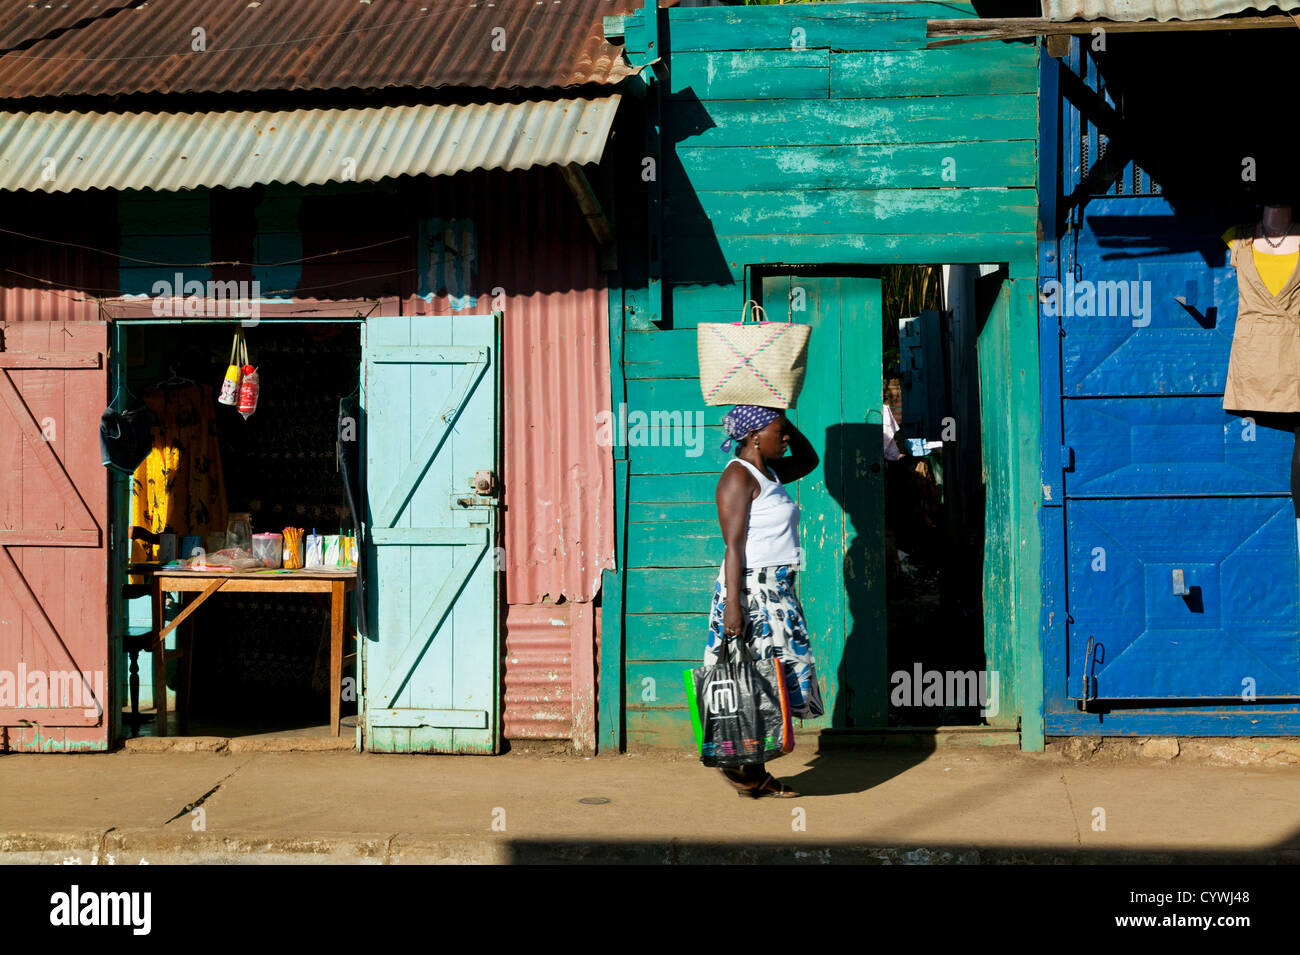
(774, 627)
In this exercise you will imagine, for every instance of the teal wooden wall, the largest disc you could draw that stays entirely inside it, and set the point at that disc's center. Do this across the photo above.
(809, 134)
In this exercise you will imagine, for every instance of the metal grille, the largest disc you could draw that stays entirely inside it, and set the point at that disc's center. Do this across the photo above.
(1133, 181)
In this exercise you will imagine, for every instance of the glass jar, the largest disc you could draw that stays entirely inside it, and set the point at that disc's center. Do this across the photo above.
(239, 531)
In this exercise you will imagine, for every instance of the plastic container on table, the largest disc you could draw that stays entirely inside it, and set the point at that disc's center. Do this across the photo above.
(269, 547)
(239, 531)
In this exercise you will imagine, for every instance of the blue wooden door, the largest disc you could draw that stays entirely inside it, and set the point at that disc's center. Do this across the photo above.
(430, 665)
(1180, 543)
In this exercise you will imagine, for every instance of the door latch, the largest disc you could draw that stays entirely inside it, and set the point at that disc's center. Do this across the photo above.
(1180, 584)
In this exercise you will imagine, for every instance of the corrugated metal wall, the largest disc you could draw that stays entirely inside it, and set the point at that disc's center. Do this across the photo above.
(534, 249)
(46, 278)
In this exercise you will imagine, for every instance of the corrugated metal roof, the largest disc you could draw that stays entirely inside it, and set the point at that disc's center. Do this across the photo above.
(67, 152)
(1162, 10)
(110, 47)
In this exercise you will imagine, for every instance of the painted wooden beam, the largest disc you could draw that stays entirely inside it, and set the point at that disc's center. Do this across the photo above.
(33, 360)
(1007, 28)
(580, 186)
(924, 119)
(937, 165)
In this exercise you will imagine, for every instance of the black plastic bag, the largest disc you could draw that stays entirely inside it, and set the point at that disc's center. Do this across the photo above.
(740, 711)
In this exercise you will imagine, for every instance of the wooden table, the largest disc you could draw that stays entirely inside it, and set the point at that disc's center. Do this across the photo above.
(208, 582)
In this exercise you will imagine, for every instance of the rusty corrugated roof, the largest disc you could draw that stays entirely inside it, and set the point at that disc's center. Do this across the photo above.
(110, 47)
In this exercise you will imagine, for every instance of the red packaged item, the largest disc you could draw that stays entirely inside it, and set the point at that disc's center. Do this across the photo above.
(248, 386)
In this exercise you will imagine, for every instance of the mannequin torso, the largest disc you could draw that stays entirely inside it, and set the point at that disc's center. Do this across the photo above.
(1276, 232)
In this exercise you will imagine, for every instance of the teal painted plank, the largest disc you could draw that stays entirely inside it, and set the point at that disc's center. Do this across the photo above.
(686, 316)
(661, 354)
(751, 74)
(640, 512)
(946, 71)
(609, 720)
(665, 420)
(925, 119)
(660, 729)
(842, 520)
(677, 590)
(698, 487)
(676, 544)
(778, 168)
(889, 10)
(997, 442)
(667, 636)
(1025, 398)
(677, 393)
(866, 211)
(702, 454)
(658, 685)
(775, 28)
(701, 258)
(725, 299)
(862, 476)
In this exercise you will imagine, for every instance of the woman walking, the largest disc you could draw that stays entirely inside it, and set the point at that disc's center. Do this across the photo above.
(760, 527)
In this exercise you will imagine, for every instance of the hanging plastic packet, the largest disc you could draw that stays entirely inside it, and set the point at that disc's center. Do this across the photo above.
(234, 373)
(249, 386)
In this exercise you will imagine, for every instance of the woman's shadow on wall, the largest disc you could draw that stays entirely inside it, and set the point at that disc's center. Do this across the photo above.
(849, 758)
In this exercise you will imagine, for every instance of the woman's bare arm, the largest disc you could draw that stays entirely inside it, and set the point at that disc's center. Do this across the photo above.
(802, 459)
(736, 489)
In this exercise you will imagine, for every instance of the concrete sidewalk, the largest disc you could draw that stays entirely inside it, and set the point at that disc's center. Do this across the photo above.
(885, 806)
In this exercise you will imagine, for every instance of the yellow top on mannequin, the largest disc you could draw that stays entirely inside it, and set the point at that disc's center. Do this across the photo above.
(1274, 270)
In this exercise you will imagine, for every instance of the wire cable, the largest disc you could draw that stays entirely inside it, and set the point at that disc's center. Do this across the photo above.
(199, 265)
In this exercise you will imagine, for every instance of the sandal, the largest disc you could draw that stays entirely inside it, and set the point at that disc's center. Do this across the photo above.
(743, 788)
(771, 786)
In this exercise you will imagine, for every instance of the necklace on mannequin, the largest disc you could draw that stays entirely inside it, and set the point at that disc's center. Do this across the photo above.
(1263, 232)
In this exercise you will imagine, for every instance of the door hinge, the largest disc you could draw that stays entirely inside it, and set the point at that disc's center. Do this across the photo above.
(1067, 458)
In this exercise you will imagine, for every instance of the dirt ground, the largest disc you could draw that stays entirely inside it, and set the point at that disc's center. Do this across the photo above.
(962, 805)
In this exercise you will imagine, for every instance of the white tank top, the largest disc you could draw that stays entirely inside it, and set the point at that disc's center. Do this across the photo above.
(773, 536)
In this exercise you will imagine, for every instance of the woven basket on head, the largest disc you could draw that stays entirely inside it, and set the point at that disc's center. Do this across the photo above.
(752, 363)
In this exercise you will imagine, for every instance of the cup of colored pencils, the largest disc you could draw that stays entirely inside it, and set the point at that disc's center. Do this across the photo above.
(293, 537)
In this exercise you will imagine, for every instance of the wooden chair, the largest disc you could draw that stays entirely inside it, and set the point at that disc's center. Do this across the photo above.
(139, 639)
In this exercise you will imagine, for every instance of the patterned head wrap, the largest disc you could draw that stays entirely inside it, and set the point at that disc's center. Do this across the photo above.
(743, 419)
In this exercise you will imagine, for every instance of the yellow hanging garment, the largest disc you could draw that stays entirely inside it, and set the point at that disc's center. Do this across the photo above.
(180, 486)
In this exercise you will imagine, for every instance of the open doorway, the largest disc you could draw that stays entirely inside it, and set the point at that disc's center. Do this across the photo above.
(934, 491)
(259, 662)
(892, 522)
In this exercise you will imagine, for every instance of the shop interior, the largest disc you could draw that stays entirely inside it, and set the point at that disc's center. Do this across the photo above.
(934, 493)
(259, 661)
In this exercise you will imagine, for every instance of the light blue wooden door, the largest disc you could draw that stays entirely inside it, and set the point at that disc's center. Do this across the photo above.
(430, 665)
